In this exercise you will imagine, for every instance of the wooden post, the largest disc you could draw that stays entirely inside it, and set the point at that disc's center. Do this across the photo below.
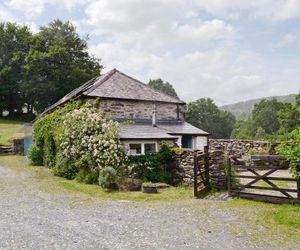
(195, 176)
(298, 189)
(206, 151)
(229, 186)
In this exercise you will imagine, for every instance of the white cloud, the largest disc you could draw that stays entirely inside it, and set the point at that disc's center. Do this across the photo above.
(34, 8)
(279, 10)
(201, 58)
(200, 54)
(214, 29)
(6, 15)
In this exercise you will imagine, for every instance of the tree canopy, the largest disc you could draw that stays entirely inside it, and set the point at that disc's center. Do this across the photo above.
(204, 113)
(38, 69)
(269, 119)
(15, 43)
(162, 86)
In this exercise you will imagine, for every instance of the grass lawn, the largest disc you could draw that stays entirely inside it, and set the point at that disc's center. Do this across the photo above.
(58, 184)
(271, 215)
(7, 129)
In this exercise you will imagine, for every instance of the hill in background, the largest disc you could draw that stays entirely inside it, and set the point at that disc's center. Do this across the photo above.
(243, 109)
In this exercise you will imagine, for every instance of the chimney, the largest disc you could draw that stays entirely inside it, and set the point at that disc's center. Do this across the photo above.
(154, 116)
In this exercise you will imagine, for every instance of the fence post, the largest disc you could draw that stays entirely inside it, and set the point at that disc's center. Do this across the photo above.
(206, 151)
(229, 175)
(195, 176)
(298, 189)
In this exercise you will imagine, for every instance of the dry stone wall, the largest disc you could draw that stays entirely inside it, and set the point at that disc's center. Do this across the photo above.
(239, 147)
(183, 172)
(218, 153)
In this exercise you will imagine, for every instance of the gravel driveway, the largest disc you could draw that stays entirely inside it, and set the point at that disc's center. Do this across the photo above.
(35, 219)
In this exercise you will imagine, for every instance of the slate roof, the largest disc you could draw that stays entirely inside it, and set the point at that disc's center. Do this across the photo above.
(121, 86)
(181, 128)
(163, 130)
(117, 85)
(143, 132)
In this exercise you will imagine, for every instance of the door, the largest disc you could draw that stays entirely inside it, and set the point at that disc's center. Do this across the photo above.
(187, 141)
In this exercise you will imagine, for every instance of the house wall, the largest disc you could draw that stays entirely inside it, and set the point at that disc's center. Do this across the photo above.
(200, 142)
(140, 109)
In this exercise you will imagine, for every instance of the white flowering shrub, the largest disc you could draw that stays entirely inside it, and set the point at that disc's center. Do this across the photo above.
(89, 141)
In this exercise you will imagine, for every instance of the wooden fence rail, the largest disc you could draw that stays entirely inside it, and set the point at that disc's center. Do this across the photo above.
(257, 177)
(6, 149)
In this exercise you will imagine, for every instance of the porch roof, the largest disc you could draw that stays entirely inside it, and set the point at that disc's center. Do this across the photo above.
(135, 131)
(163, 130)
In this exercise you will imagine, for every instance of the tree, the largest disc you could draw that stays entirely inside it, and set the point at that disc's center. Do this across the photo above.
(243, 129)
(15, 42)
(260, 134)
(265, 115)
(204, 114)
(164, 87)
(57, 63)
(289, 116)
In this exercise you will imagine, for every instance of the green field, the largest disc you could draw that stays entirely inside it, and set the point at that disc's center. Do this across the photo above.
(8, 128)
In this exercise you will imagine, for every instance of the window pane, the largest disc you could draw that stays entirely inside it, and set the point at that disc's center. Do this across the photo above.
(150, 148)
(135, 149)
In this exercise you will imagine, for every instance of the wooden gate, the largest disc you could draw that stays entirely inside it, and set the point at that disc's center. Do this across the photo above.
(201, 174)
(267, 182)
(6, 149)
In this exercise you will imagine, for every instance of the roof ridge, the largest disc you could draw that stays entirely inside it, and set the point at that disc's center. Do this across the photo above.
(147, 86)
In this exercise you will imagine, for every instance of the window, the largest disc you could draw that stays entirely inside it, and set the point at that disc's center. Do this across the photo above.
(135, 149)
(141, 148)
(150, 148)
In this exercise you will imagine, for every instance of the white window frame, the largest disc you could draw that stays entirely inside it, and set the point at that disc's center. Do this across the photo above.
(142, 143)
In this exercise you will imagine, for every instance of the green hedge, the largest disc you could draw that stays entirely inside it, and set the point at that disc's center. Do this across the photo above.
(152, 167)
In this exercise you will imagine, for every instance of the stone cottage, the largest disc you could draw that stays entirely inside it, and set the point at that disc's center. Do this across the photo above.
(155, 116)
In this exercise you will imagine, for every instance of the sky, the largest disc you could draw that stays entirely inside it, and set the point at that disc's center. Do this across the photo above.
(228, 50)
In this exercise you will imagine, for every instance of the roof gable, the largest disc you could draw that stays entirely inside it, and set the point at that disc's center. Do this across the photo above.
(118, 85)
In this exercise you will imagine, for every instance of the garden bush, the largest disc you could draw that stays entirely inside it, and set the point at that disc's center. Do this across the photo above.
(36, 155)
(47, 130)
(290, 149)
(65, 167)
(108, 178)
(152, 167)
(78, 141)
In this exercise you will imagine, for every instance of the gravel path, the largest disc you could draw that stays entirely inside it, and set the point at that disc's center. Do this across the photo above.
(36, 219)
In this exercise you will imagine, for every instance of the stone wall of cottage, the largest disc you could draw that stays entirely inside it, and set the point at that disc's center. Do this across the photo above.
(130, 109)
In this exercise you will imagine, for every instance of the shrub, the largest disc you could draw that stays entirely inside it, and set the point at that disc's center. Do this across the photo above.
(152, 167)
(65, 167)
(108, 178)
(78, 141)
(35, 155)
(88, 173)
(290, 149)
(91, 140)
(47, 130)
